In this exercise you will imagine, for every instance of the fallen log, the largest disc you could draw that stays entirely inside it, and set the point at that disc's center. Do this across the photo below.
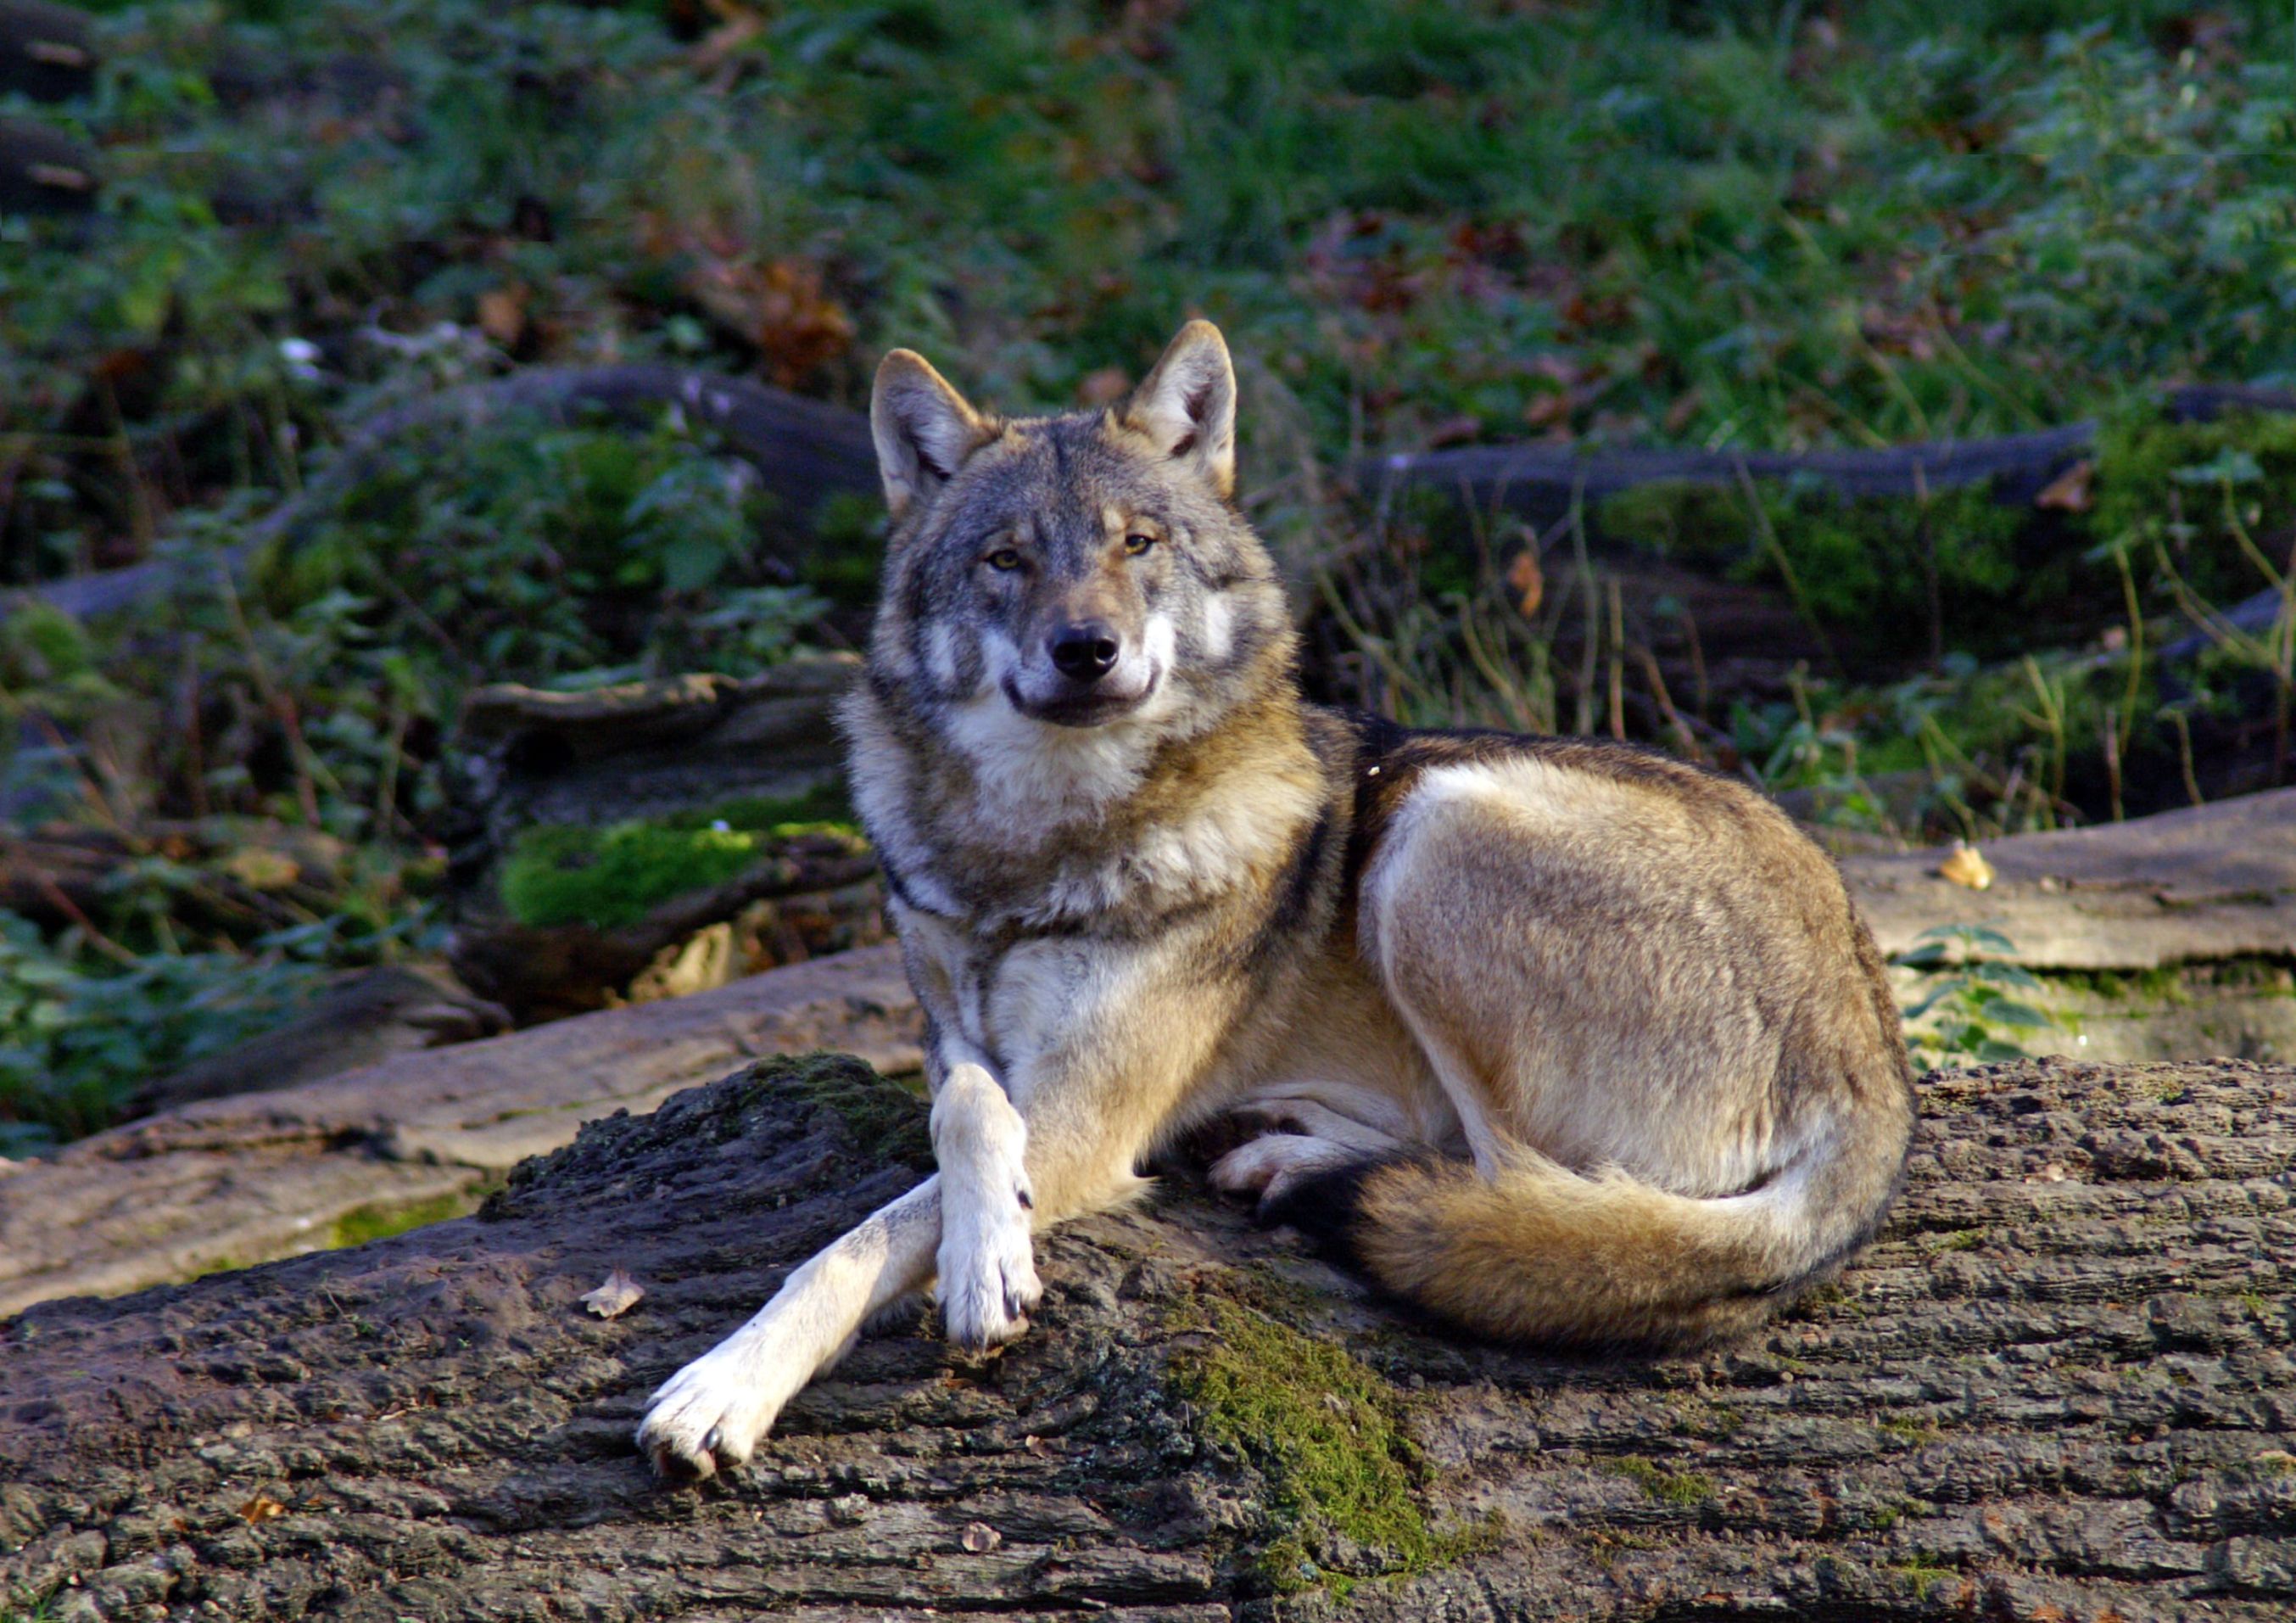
(1543, 483)
(680, 752)
(232, 1181)
(263, 1174)
(807, 452)
(2059, 1386)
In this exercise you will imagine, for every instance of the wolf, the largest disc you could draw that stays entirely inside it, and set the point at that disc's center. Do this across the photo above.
(1561, 1040)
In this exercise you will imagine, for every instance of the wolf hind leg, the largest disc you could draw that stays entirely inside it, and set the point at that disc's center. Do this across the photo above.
(1302, 1137)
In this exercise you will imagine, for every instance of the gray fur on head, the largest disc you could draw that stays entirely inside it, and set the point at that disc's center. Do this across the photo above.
(1011, 535)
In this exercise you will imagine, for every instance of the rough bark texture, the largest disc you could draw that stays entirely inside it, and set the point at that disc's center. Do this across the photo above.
(2059, 1387)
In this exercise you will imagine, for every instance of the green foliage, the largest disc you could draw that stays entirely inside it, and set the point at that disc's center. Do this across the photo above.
(1966, 1014)
(1887, 575)
(77, 1036)
(2191, 499)
(534, 551)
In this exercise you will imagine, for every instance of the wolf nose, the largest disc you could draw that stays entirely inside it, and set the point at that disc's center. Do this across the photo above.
(1085, 653)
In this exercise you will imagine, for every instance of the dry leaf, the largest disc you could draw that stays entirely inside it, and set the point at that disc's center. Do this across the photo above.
(261, 1509)
(1454, 431)
(615, 1297)
(260, 868)
(502, 314)
(703, 962)
(979, 1537)
(1967, 867)
(2072, 491)
(1528, 581)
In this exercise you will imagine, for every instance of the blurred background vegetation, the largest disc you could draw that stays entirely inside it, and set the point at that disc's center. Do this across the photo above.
(1757, 224)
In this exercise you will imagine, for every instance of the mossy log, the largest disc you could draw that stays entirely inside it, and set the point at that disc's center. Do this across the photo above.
(2059, 1386)
(591, 831)
(1543, 481)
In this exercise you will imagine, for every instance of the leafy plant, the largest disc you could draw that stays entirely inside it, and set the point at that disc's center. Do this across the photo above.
(1969, 1011)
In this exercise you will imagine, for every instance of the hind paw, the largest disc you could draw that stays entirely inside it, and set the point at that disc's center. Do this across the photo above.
(1272, 1165)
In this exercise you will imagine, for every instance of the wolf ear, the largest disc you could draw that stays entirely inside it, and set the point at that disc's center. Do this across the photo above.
(924, 429)
(1186, 406)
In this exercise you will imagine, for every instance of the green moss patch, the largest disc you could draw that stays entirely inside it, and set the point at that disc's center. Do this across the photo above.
(380, 1219)
(612, 875)
(1324, 1429)
(888, 1122)
(1682, 1488)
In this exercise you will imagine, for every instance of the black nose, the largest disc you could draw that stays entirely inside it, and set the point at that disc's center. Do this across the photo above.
(1085, 653)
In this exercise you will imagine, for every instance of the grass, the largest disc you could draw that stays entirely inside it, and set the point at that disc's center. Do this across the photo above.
(1752, 224)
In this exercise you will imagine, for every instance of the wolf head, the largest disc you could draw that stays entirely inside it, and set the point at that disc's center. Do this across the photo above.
(1085, 574)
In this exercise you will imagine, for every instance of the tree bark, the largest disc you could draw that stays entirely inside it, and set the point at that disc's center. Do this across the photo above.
(2059, 1386)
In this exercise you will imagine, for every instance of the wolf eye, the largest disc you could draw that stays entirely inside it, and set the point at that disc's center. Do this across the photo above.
(1136, 543)
(1003, 557)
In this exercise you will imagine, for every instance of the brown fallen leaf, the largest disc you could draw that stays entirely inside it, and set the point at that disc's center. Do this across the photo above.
(2072, 491)
(1528, 581)
(1967, 867)
(616, 1297)
(501, 314)
(979, 1537)
(261, 1509)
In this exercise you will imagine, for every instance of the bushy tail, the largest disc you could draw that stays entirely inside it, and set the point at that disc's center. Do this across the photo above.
(1543, 1254)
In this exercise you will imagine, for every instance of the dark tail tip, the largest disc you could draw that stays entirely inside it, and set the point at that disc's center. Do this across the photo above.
(1326, 1208)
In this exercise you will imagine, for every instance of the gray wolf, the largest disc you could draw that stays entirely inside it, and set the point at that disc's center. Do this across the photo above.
(1561, 1041)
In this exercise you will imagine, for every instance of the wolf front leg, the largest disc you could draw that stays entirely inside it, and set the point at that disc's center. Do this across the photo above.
(1064, 1141)
(987, 1270)
(712, 1412)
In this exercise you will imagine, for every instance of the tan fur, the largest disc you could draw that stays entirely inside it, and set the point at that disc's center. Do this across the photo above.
(1584, 1044)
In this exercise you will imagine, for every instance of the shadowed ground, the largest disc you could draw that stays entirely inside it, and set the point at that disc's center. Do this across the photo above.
(2059, 1388)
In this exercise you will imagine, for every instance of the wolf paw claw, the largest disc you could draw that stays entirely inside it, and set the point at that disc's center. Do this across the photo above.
(709, 1416)
(989, 1284)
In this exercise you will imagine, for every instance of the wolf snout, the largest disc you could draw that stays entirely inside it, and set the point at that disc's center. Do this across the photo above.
(1086, 651)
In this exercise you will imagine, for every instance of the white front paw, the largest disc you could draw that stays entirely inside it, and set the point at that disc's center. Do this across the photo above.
(713, 1412)
(989, 1284)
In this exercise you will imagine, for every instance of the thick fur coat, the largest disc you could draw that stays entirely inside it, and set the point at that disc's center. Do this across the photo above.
(1561, 1041)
